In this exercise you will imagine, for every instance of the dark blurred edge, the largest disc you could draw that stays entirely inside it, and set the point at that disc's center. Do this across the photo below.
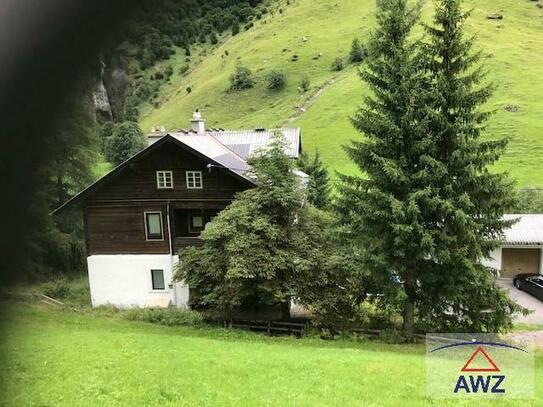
(45, 45)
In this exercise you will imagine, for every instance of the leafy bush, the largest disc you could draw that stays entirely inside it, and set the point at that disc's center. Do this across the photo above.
(276, 80)
(305, 83)
(338, 64)
(168, 71)
(213, 38)
(235, 27)
(242, 78)
(358, 52)
(75, 291)
(58, 289)
(126, 140)
(376, 314)
(529, 201)
(165, 316)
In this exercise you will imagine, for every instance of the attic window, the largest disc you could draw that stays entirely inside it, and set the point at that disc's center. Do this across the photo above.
(164, 180)
(194, 180)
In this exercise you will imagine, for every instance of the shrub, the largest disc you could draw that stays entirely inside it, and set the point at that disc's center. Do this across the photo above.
(165, 316)
(305, 83)
(276, 80)
(242, 78)
(58, 289)
(235, 27)
(213, 38)
(105, 132)
(168, 71)
(188, 89)
(358, 52)
(338, 64)
(183, 69)
(73, 291)
(125, 141)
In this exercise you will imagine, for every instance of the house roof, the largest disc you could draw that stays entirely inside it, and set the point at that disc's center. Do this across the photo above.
(222, 155)
(226, 149)
(243, 142)
(204, 146)
(527, 231)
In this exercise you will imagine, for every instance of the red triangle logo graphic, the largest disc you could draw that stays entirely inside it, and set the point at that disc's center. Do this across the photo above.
(468, 368)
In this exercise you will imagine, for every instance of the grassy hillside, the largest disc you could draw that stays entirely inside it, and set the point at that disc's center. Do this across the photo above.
(513, 49)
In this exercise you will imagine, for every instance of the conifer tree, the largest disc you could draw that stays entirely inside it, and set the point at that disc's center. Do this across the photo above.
(381, 208)
(427, 210)
(468, 200)
(319, 181)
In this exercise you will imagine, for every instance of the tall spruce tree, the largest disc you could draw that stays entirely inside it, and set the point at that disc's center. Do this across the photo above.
(381, 208)
(427, 209)
(465, 211)
(319, 181)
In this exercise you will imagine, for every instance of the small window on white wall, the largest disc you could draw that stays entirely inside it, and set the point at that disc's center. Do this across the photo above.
(194, 180)
(157, 279)
(164, 180)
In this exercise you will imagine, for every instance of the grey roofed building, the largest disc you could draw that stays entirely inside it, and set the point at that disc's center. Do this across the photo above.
(243, 143)
(521, 250)
(527, 231)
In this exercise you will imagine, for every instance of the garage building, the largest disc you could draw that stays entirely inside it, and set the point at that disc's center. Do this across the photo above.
(521, 250)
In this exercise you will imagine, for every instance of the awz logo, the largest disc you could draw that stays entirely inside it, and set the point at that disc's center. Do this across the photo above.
(474, 384)
(480, 374)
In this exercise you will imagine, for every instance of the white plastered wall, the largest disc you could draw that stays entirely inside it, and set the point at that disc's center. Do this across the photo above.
(124, 280)
(495, 260)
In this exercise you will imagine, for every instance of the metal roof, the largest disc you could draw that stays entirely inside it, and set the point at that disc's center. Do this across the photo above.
(527, 231)
(244, 143)
(218, 152)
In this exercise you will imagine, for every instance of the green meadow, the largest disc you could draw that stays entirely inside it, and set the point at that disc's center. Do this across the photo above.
(64, 358)
(317, 32)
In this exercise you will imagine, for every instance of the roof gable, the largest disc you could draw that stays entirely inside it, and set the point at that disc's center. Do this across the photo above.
(207, 149)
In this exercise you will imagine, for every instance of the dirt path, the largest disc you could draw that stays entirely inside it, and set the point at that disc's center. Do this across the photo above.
(309, 100)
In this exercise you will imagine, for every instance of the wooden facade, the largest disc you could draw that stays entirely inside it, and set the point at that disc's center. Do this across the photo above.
(115, 210)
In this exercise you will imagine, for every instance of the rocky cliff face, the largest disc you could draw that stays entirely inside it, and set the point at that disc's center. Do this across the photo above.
(109, 94)
(116, 82)
(102, 105)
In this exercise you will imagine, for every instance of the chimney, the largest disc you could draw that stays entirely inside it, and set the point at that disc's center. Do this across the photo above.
(197, 123)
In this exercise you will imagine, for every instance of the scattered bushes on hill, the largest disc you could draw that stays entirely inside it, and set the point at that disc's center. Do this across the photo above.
(276, 80)
(164, 316)
(126, 140)
(304, 84)
(338, 64)
(241, 79)
(358, 52)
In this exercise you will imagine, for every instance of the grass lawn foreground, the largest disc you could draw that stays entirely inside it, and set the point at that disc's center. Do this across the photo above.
(63, 358)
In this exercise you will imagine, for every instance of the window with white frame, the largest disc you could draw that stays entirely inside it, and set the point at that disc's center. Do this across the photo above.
(157, 280)
(194, 180)
(153, 226)
(164, 179)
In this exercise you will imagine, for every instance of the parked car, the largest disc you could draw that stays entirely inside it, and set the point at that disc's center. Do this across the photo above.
(530, 283)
